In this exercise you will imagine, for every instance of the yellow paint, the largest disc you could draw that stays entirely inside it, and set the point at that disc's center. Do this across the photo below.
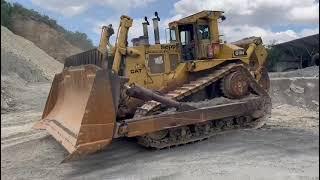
(137, 57)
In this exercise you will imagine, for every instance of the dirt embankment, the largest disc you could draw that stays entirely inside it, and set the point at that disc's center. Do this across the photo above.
(298, 88)
(22, 63)
(45, 37)
(298, 91)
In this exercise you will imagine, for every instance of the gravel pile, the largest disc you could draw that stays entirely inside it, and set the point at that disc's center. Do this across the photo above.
(312, 71)
(22, 62)
(26, 59)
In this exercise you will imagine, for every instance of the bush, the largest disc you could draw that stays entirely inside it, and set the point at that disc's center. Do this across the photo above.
(273, 56)
(79, 39)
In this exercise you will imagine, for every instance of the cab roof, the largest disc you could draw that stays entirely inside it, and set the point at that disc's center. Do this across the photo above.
(206, 14)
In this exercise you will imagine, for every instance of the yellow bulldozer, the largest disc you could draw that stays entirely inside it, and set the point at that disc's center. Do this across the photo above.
(165, 95)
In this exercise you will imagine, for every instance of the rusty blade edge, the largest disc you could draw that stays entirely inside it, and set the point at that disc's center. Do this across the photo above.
(86, 149)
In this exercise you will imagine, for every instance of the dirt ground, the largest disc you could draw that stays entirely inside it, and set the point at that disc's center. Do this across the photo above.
(286, 148)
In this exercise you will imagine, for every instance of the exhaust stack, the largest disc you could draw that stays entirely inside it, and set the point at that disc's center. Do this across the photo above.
(156, 28)
(145, 30)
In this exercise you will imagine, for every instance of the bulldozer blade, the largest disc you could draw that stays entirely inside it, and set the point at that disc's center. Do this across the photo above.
(80, 111)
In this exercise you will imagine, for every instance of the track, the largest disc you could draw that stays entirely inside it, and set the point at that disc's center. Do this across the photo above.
(197, 132)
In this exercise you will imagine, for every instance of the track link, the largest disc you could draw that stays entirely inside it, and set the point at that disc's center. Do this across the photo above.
(216, 127)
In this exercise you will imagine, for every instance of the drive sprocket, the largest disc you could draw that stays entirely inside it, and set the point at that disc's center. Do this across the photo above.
(235, 85)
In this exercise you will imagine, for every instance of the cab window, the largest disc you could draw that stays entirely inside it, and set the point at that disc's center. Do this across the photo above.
(203, 31)
(173, 35)
(156, 63)
(185, 37)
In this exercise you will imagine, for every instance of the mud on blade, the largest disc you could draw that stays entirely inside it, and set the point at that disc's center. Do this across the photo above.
(80, 111)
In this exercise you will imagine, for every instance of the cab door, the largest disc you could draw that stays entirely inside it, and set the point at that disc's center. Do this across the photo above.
(203, 36)
(187, 41)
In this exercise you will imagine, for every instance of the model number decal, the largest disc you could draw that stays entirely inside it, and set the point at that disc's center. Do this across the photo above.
(168, 47)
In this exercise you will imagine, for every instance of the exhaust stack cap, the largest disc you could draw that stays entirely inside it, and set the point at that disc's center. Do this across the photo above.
(146, 20)
(156, 28)
(156, 14)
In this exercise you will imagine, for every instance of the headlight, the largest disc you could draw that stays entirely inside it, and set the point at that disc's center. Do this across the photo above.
(239, 52)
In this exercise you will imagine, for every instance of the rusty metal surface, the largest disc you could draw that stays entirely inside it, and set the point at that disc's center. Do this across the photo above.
(93, 56)
(148, 124)
(245, 42)
(146, 94)
(264, 81)
(235, 85)
(254, 116)
(80, 112)
(196, 132)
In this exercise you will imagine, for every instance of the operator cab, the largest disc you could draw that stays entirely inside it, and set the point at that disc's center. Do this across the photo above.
(197, 35)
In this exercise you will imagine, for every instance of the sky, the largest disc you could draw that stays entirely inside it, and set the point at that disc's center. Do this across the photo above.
(275, 21)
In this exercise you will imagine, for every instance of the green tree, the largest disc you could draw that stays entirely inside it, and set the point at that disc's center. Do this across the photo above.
(273, 55)
(6, 13)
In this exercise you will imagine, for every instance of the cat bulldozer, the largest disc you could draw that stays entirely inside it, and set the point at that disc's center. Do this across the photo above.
(186, 90)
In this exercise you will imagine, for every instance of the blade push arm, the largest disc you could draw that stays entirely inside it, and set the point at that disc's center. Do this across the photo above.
(121, 44)
(148, 95)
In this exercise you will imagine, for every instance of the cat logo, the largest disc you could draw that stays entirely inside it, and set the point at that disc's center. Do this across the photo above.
(133, 71)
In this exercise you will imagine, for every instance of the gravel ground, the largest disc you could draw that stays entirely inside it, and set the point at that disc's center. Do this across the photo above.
(286, 148)
(273, 152)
